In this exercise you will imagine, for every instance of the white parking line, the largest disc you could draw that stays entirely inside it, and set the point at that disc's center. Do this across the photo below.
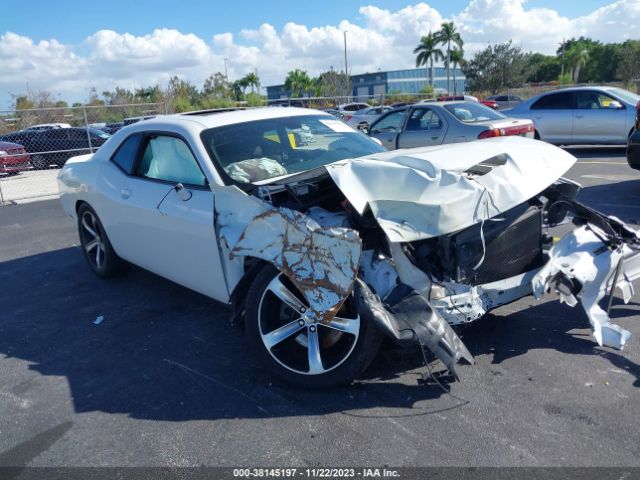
(605, 163)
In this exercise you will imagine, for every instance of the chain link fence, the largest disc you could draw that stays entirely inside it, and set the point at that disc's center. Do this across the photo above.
(330, 103)
(35, 143)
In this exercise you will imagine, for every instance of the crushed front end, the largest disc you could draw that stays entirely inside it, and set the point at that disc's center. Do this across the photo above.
(441, 236)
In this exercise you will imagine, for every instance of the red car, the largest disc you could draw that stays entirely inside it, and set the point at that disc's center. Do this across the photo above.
(450, 98)
(13, 158)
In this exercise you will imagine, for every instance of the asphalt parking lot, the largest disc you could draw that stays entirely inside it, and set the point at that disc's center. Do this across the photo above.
(165, 380)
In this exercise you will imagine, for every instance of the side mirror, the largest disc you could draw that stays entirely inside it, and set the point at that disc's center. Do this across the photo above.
(615, 105)
(364, 129)
(183, 193)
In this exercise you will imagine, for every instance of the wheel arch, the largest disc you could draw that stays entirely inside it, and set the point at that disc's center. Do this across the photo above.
(238, 298)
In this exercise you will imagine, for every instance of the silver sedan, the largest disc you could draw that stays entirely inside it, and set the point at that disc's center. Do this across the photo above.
(364, 117)
(581, 115)
(435, 123)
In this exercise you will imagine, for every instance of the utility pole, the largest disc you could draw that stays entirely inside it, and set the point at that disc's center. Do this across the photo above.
(346, 65)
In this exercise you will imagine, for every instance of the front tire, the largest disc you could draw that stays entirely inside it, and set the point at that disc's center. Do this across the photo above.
(95, 244)
(293, 345)
(39, 162)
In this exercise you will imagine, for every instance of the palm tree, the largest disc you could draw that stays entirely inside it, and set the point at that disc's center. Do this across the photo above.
(446, 35)
(297, 82)
(576, 57)
(427, 52)
(455, 57)
(243, 84)
(252, 80)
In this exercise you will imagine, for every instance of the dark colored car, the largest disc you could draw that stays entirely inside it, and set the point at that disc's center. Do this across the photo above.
(633, 144)
(112, 128)
(13, 158)
(52, 148)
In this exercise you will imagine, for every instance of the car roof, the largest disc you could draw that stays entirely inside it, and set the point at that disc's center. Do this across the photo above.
(222, 117)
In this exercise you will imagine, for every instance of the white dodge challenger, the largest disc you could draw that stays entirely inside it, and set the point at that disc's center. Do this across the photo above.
(324, 242)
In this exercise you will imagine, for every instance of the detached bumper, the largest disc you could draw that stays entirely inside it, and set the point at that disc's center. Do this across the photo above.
(586, 265)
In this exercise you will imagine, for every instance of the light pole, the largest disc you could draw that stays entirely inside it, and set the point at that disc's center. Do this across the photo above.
(346, 65)
(226, 74)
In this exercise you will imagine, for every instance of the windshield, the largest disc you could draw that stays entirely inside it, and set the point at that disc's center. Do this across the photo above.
(470, 112)
(625, 95)
(254, 151)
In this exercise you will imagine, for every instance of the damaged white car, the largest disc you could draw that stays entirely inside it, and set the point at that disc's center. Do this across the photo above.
(323, 242)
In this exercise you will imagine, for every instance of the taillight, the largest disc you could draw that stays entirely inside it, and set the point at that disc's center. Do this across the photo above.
(502, 132)
(346, 118)
(494, 132)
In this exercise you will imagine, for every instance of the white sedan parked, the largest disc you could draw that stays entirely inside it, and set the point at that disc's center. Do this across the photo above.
(323, 242)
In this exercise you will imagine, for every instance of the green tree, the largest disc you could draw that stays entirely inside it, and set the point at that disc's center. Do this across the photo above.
(216, 85)
(236, 89)
(21, 102)
(575, 58)
(542, 68)
(497, 67)
(298, 82)
(148, 95)
(252, 80)
(331, 83)
(182, 95)
(447, 35)
(456, 57)
(629, 64)
(427, 52)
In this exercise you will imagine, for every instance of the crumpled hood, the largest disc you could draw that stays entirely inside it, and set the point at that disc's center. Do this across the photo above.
(427, 192)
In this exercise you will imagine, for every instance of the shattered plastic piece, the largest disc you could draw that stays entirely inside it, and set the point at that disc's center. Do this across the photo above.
(379, 272)
(322, 262)
(581, 267)
(412, 321)
(426, 192)
(98, 320)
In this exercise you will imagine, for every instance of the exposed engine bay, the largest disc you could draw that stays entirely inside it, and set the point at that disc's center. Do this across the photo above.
(421, 247)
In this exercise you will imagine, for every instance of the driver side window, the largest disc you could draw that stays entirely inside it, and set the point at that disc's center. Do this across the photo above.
(392, 122)
(169, 159)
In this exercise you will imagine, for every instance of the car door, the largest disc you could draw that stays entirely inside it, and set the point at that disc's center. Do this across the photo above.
(158, 212)
(423, 127)
(387, 128)
(552, 115)
(599, 118)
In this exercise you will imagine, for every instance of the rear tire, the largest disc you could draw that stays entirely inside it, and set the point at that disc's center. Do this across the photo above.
(95, 244)
(298, 350)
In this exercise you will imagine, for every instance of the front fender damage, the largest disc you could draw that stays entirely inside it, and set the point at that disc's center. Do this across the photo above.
(325, 263)
(322, 262)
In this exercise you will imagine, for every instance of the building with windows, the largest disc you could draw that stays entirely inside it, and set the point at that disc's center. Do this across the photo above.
(411, 80)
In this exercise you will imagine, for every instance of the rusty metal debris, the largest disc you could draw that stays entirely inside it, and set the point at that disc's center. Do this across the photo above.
(321, 262)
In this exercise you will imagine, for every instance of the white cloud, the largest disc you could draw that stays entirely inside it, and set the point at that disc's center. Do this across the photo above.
(379, 39)
(542, 29)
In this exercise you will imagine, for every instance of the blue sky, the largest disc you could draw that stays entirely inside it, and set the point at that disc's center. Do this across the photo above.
(69, 47)
(73, 20)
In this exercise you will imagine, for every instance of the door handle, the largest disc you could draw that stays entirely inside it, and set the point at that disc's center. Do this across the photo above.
(579, 116)
(435, 138)
(125, 193)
